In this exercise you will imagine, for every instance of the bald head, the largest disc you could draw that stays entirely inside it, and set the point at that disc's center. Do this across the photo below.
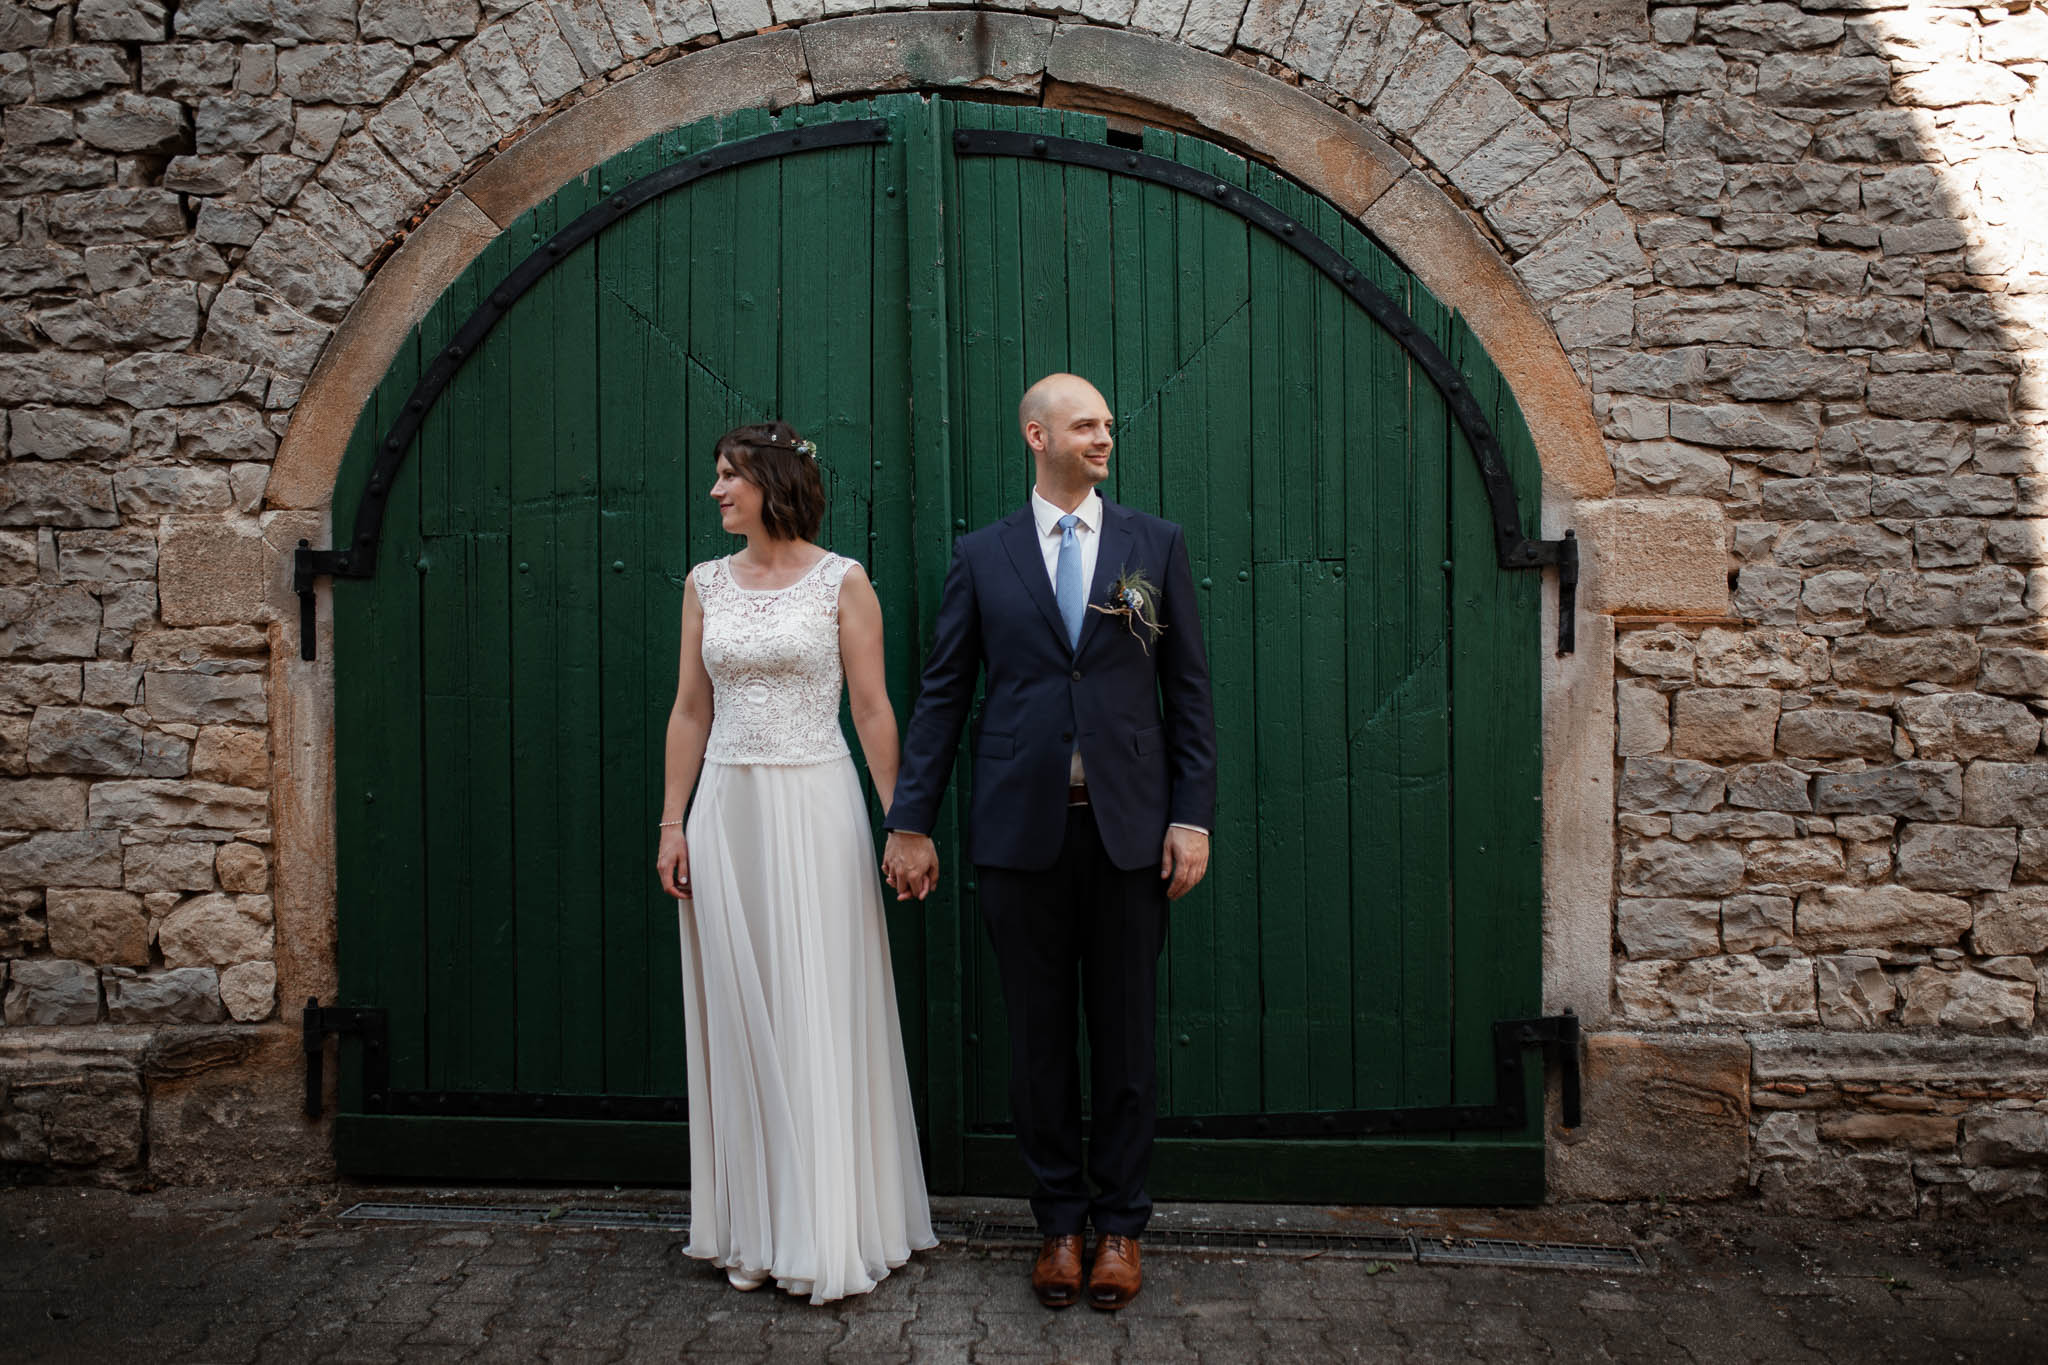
(1051, 396)
(1067, 425)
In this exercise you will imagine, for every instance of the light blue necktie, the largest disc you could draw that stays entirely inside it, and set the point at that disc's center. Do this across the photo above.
(1067, 586)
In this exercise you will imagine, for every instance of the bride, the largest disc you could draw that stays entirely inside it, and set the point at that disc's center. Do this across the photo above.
(804, 1165)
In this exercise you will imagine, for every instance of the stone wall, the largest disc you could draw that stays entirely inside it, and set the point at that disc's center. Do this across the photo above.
(1790, 251)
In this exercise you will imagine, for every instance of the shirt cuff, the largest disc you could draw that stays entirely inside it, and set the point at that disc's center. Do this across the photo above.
(1176, 824)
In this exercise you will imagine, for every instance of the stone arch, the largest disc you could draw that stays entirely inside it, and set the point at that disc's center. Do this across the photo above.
(1301, 132)
(1114, 70)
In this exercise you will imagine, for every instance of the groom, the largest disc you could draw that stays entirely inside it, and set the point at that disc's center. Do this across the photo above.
(1094, 788)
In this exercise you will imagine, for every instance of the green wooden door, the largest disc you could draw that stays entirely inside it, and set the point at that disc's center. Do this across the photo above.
(503, 682)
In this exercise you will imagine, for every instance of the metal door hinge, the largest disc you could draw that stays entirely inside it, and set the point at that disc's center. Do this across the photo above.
(365, 1022)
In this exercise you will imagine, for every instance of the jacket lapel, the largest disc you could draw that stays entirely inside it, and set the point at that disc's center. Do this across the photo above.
(1020, 539)
(1111, 559)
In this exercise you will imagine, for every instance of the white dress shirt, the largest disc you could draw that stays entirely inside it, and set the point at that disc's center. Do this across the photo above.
(1089, 530)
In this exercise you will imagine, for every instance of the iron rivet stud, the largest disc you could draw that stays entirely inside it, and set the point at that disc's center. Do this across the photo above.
(618, 566)
(1287, 229)
(618, 201)
(456, 352)
(1038, 145)
(1351, 277)
(554, 248)
(524, 566)
(1244, 575)
(1222, 190)
(960, 140)
(878, 464)
(1130, 163)
(1208, 583)
(960, 524)
(377, 485)
(1184, 1040)
(415, 406)
(704, 161)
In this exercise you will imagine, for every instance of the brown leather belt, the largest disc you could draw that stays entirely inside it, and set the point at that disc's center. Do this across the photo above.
(1077, 794)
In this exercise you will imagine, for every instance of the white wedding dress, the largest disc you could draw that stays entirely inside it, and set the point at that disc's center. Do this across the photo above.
(804, 1163)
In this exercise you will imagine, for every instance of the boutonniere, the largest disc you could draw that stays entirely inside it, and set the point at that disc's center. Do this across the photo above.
(1135, 598)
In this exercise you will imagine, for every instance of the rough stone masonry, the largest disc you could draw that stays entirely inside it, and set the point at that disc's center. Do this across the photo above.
(1792, 250)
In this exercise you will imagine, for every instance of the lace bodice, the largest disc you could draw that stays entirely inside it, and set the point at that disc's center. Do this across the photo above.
(773, 657)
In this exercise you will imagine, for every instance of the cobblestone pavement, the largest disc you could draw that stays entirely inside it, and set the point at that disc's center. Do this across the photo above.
(214, 1276)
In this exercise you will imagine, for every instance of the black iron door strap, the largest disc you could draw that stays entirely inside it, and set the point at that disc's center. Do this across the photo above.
(1512, 549)
(358, 557)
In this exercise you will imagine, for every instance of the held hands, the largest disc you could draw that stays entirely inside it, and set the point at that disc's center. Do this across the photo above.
(1184, 859)
(672, 863)
(910, 864)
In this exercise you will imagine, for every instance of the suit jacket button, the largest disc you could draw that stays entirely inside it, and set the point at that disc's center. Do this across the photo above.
(1077, 675)
(1067, 737)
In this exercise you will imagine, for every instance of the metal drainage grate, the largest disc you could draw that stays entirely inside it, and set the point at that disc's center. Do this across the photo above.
(990, 1232)
(1544, 1255)
(447, 1213)
(657, 1220)
(993, 1232)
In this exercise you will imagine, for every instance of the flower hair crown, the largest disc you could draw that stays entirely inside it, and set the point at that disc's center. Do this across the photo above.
(803, 446)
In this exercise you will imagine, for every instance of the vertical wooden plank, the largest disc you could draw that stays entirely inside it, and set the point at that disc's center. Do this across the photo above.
(1326, 829)
(536, 703)
(1332, 453)
(1043, 240)
(1428, 984)
(378, 739)
(627, 346)
(485, 630)
(447, 455)
(580, 369)
(929, 282)
(891, 548)
(1206, 486)
(1277, 591)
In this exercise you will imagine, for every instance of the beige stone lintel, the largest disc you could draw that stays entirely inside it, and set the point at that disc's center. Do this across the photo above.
(980, 49)
(1429, 235)
(749, 73)
(363, 347)
(1661, 555)
(1329, 153)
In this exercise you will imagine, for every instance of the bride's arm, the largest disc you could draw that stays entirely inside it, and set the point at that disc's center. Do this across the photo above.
(867, 683)
(689, 727)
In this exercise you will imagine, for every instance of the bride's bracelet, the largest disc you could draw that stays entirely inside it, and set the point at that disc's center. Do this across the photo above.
(664, 824)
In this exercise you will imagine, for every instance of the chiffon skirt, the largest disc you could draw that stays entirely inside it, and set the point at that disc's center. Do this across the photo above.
(803, 1149)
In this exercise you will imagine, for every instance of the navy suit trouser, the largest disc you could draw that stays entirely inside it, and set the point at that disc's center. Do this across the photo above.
(1082, 933)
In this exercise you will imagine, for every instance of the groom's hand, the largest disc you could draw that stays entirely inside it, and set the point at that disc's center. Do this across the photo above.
(910, 863)
(1184, 860)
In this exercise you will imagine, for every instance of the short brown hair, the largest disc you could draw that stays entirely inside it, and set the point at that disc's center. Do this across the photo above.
(784, 466)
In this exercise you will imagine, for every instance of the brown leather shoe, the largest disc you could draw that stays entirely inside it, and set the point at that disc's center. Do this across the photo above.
(1116, 1277)
(1056, 1274)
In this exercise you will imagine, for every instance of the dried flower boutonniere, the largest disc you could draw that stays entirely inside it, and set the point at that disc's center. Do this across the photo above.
(1134, 597)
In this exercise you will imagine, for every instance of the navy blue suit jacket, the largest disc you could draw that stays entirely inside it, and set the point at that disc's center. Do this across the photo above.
(1139, 709)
